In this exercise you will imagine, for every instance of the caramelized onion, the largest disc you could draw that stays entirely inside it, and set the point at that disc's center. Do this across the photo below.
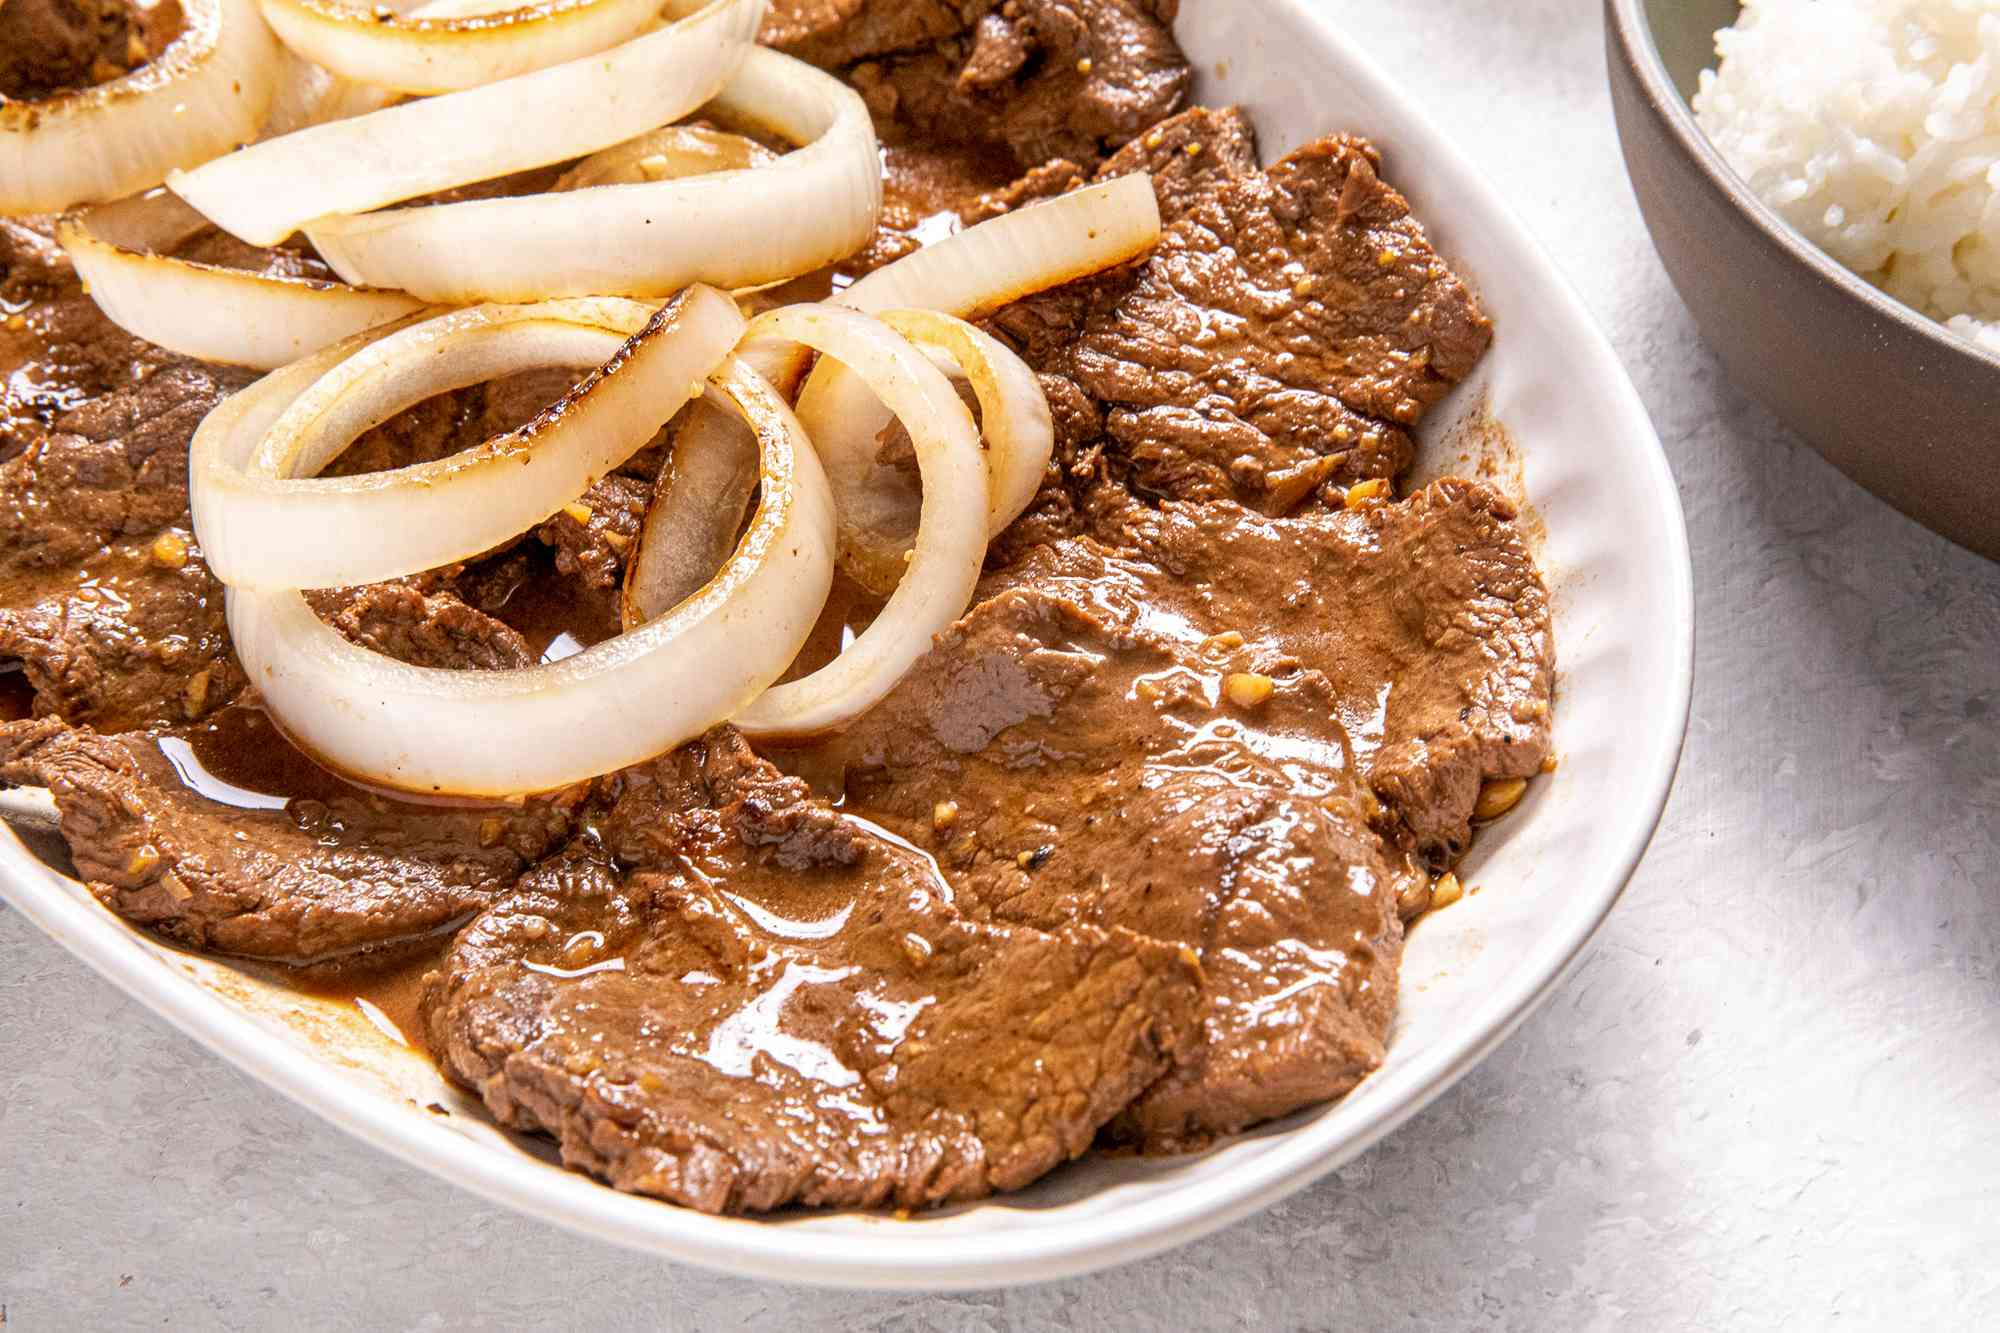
(839, 411)
(440, 51)
(269, 190)
(206, 93)
(269, 522)
(500, 733)
(225, 315)
(731, 229)
(951, 534)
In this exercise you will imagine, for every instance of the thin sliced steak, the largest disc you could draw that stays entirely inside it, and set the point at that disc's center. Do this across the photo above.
(784, 1010)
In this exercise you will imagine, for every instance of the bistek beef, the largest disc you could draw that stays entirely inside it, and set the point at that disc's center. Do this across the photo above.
(1041, 78)
(330, 871)
(52, 46)
(767, 1006)
(1070, 752)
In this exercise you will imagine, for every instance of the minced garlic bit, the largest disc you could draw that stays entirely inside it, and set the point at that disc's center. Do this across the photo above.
(1446, 891)
(1248, 689)
(1497, 798)
(1085, 65)
(578, 511)
(1361, 492)
(195, 696)
(170, 551)
(617, 541)
(944, 814)
(490, 829)
(143, 860)
(1193, 150)
(1385, 258)
(1226, 642)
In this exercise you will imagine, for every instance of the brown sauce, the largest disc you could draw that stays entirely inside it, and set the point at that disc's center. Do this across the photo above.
(390, 981)
(850, 609)
(546, 610)
(238, 757)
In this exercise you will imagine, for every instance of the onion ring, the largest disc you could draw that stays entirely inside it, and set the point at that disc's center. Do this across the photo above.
(1015, 426)
(974, 272)
(422, 729)
(951, 534)
(732, 229)
(668, 153)
(206, 93)
(968, 274)
(271, 523)
(269, 190)
(437, 53)
(308, 95)
(225, 315)
(697, 509)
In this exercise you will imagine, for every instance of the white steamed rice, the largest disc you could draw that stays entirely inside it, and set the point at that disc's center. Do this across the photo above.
(1873, 126)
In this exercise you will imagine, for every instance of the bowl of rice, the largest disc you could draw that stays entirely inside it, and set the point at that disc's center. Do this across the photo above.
(1822, 180)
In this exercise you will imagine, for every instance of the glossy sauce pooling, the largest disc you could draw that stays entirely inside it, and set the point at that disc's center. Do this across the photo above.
(391, 981)
(237, 756)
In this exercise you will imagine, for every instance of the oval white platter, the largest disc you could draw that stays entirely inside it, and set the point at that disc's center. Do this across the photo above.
(1584, 458)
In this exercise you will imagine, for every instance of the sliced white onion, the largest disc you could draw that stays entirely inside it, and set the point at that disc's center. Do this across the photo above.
(696, 510)
(976, 271)
(668, 153)
(440, 52)
(501, 733)
(1013, 411)
(951, 534)
(308, 95)
(873, 503)
(732, 229)
(969, 274)
(225, 315)
(269, 190)
(206, 93)
(273, 524)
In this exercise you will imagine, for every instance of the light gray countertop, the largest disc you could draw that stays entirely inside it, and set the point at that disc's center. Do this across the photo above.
(1766, 1100)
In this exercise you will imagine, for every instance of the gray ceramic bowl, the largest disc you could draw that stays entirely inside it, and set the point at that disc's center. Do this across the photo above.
(1891, 398)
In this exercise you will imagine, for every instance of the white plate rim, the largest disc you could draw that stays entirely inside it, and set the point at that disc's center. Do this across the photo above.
(779, 1252)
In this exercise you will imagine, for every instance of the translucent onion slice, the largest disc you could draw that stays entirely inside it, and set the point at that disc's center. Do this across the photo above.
(696, 511)
(269, 190)
(502, 733)
(951, 534)
(668, 153)
(874, 504)
(970, 274)
(308, 95)
(732, 229)
(225, 315)
(277, 525)
(974, 272)
(206, 93)
(438, 51)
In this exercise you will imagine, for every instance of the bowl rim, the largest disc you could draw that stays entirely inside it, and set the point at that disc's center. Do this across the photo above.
(1297, 1155)
(1627, 22)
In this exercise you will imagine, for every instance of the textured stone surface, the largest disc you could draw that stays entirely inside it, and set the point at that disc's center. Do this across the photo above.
(1765, 1101)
